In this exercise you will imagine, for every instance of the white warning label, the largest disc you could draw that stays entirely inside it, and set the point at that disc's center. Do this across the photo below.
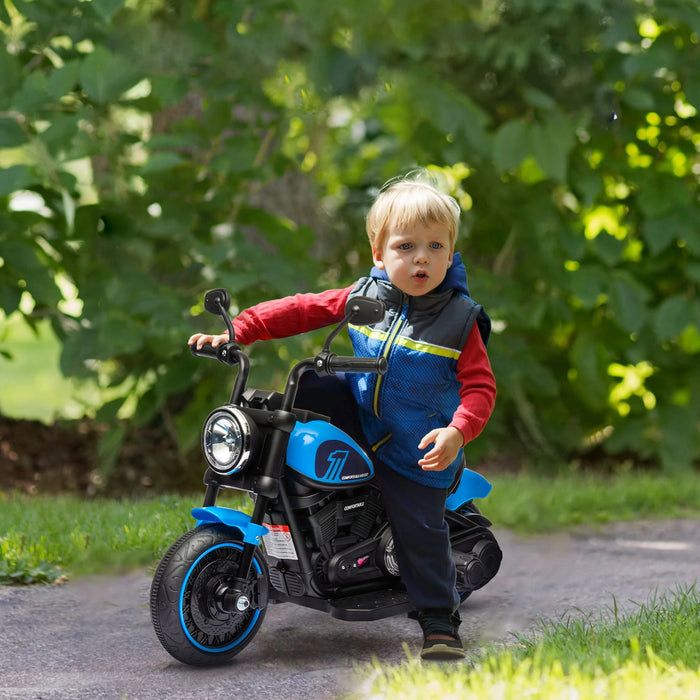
(278, 542)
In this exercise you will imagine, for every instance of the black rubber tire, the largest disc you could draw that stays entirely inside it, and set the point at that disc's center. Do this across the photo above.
(186, 619)
(489, 541)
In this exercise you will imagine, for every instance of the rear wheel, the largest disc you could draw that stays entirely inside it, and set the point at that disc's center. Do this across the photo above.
(474, 549)
(187, 607)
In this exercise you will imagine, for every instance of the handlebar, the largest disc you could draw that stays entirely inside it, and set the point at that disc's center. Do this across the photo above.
(335, 364)
(228, 353)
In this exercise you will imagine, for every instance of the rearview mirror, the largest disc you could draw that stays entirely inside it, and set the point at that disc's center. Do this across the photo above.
(217, 299)
(363, 311)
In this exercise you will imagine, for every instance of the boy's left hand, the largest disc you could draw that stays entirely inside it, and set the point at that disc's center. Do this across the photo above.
(448, 442)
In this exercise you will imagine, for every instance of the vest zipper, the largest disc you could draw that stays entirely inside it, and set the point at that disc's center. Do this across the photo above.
(393, 332)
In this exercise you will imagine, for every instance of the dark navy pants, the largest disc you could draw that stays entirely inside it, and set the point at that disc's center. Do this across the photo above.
(416, 512)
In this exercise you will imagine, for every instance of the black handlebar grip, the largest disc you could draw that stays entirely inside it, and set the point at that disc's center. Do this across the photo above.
(226, 353)
(376, 365)
(205, 351)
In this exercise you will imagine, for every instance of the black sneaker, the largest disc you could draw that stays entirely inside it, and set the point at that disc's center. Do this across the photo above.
(441, 641)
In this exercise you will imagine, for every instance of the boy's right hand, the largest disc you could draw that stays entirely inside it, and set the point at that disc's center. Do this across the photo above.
(201, 339)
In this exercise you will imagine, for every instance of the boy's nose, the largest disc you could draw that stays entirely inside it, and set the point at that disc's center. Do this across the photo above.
(421, 255)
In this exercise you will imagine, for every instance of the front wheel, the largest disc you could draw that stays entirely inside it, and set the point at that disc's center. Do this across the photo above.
(186, 602)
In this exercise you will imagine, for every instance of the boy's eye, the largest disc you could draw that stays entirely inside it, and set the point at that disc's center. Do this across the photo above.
(405, 246)
(435, 245)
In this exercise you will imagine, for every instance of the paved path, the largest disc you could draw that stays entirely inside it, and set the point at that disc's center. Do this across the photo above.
(92, 638)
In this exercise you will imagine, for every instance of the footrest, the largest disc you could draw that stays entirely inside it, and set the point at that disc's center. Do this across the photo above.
(371, 606)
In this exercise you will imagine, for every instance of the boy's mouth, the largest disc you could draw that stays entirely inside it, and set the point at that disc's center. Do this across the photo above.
(421, 274)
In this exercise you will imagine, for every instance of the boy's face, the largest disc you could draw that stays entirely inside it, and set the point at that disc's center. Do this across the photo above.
(416, 259)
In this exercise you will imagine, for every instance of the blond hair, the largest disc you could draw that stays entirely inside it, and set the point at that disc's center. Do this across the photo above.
(405, 203)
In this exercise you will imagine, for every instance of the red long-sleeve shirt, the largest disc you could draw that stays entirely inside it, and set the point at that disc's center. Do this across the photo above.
(281, 318)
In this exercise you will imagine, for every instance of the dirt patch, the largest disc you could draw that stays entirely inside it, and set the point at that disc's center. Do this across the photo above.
(63, 458)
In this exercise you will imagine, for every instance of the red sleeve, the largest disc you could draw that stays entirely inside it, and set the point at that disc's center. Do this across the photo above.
(477, 391)
(280, 318)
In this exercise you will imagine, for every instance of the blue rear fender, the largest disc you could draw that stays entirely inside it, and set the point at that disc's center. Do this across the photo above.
(235, 519)
(471, 485)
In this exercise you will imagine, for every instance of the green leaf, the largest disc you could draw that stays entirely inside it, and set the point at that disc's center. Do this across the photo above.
(169, 89)
(693, 271)
(680, 224)
(638, 99)
(587, 284)
(60, 134)
(663, 193)
(627, 302)
(538, 98)
(671, 317)
(10, 294)
(33, 94)
(106, 9)
(589, 358)
(118, 334)
(22, 262)
(631, 435)
(63, 80)
(105, 76)
(11, 74)
(551, 142)
(451, 110)
(679, 438)
(284, 234)
(11, 133)
(609, 248)
(689, 339)
(661, 233)
(511, 145)
(161, 161)
(238, 157)
(108, 411)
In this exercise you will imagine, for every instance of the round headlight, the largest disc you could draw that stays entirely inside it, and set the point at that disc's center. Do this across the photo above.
(227, 439)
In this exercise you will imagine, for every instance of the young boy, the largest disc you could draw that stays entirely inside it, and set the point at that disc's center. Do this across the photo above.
(438, 391)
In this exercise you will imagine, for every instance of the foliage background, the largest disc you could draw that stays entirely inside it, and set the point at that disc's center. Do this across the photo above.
(150, 150)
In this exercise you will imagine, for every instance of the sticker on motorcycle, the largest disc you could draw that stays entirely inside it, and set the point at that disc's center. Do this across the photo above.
(278, 542)
(325, 454)
(337, 462)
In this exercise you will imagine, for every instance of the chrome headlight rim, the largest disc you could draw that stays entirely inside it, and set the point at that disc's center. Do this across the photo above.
(228, 430)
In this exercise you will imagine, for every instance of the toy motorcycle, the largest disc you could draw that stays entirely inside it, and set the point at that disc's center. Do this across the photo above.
(318, 535)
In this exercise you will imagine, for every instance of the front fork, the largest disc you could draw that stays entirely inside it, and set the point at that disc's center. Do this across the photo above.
(238, 594)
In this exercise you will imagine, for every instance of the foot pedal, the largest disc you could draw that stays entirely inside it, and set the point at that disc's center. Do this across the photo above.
(375, 605)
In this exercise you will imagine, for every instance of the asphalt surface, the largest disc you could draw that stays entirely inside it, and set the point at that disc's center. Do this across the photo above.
(92, 638)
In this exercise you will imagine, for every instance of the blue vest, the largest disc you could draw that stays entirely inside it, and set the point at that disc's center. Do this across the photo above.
(422, 339)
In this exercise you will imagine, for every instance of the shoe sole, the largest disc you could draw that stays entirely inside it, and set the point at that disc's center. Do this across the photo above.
(442, 652)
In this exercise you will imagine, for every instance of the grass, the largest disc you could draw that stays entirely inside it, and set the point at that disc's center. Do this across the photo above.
(668, 625)
(651, 653)
(533, 504)
(44, 538)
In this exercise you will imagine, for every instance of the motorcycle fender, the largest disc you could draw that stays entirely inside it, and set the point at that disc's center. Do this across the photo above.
(251, 533)
(471, 485)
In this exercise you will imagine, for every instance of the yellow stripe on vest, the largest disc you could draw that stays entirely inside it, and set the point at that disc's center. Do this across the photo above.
(410, 344)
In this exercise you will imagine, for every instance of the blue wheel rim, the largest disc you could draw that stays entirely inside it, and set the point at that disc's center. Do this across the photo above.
(241, 637)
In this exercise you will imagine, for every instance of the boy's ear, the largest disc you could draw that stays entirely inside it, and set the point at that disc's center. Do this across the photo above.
(377, 257)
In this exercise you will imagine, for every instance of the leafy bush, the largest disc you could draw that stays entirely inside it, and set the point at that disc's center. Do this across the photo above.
(152, 150)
